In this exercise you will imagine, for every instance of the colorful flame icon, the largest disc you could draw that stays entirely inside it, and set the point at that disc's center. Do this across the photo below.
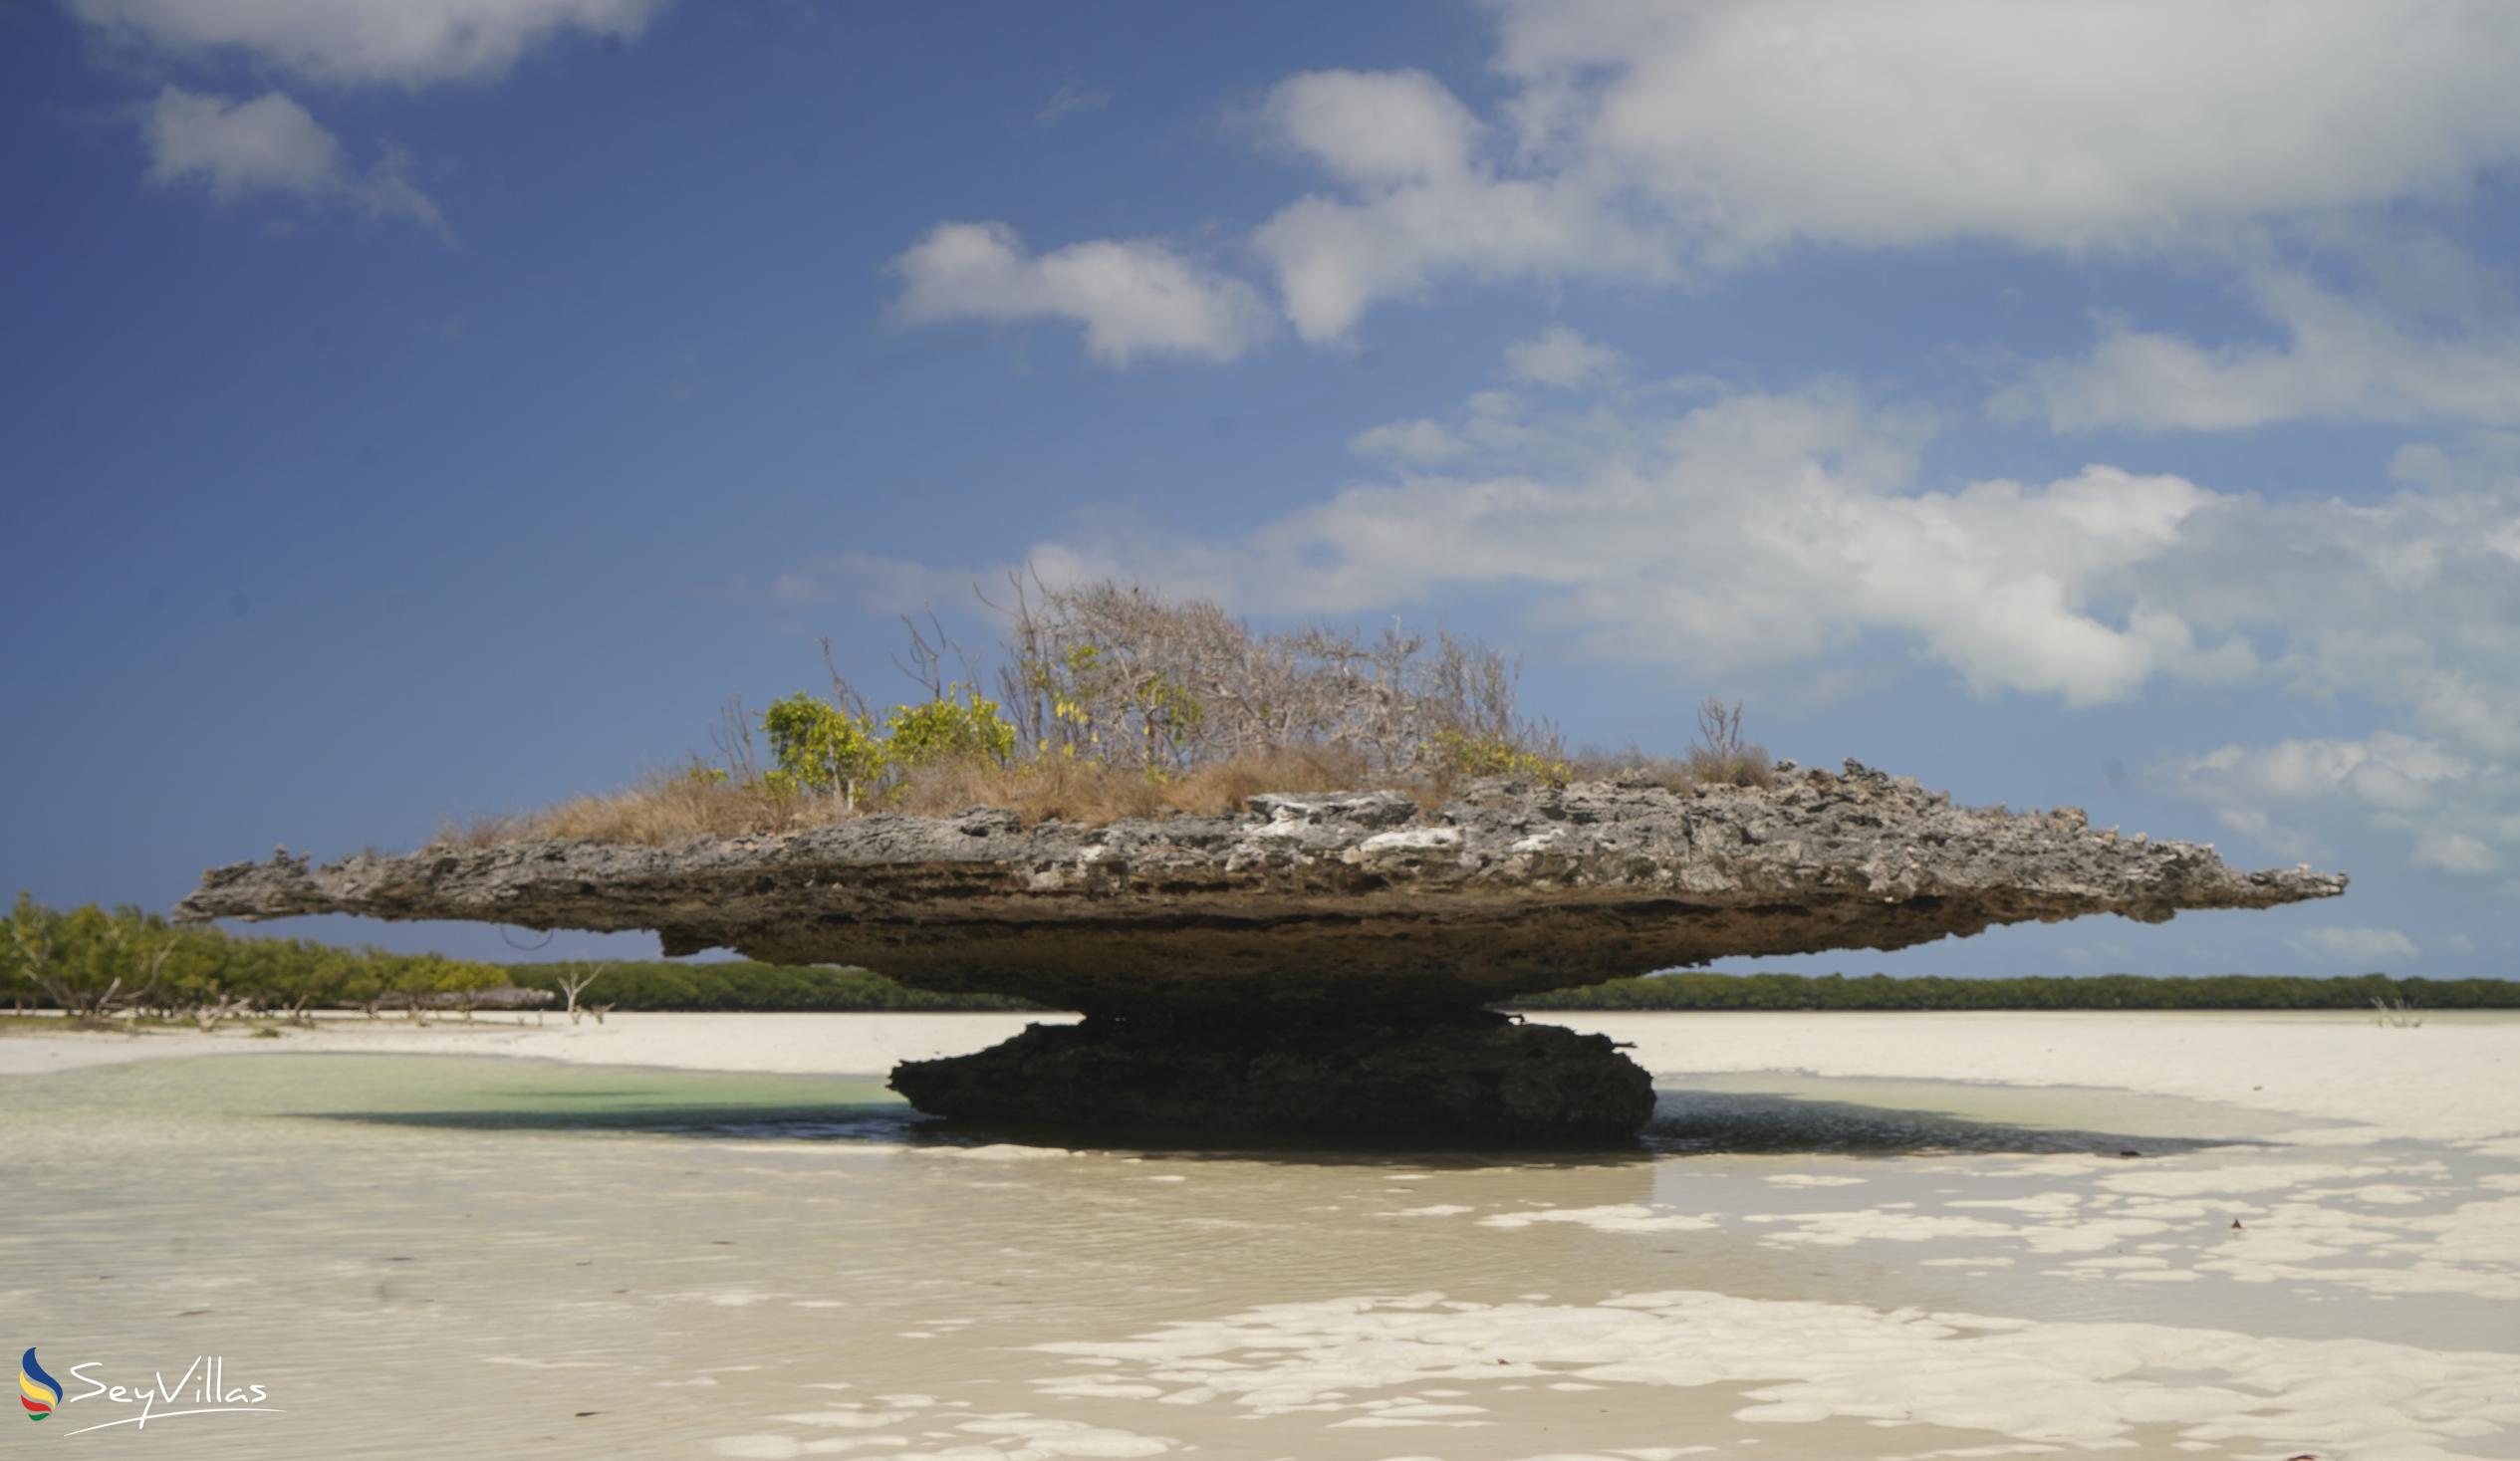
(36, 1391)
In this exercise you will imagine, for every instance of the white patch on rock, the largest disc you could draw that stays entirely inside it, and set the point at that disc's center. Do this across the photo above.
(1403, 844)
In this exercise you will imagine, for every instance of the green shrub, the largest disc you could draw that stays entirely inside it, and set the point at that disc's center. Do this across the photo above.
(818, 747)
(960, 724)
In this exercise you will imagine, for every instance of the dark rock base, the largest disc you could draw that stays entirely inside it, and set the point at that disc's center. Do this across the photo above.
(1467, 1078)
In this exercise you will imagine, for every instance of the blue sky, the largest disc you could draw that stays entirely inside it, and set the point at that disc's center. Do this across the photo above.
(417, 410)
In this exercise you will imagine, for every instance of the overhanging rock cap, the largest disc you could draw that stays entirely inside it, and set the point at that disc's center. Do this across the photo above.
(1365, 899)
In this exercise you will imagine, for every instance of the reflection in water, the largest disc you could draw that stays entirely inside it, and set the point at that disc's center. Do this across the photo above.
(655, 1263)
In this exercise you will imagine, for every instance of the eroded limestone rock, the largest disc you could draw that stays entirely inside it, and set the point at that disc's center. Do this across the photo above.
(1313, 967)
(1465, 1076)
(1363, 899)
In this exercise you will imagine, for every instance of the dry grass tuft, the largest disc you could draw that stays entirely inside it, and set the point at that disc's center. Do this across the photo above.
(665, 809)
(661, 809)
(1631, 767)
(1720, 757)
(1747, 767)
(1069, 789)
(668, 808)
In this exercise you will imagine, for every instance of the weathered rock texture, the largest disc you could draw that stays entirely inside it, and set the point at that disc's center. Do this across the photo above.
(1361, 898)
(1371, 1079)
(1313, 965)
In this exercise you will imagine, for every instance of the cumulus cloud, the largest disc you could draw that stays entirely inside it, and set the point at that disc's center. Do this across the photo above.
(407, 43)
(2387, 771)
(1420, 202)
(1133, 298)
(1642, 141)
(2059, 126)
(2455, 852)
(1656, 144)
(2449, 807)
(1560, 356)
(2364, 948)
(1757, 527)
(271, 145)
(1417, 442)
(1790, 536)
(1387, 126)
(2341, 359)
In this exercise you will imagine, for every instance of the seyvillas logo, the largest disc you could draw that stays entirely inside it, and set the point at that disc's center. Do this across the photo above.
(202, 1388)
(36, 1391)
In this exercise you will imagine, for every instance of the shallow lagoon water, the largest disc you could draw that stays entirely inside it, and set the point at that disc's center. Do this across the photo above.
(429, 1255)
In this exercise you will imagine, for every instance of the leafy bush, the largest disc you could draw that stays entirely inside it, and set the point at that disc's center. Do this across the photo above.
(960, 725)
(822, 748)
(1488, 755)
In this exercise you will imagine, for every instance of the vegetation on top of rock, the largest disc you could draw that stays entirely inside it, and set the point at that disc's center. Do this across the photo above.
(1113, 702)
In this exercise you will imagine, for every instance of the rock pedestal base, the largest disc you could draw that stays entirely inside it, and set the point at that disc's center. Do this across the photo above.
(1462, 1078)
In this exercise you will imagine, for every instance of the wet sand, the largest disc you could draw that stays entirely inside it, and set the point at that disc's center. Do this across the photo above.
(1889, 1254)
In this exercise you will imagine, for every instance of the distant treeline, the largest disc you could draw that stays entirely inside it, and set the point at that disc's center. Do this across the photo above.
(2095, 992)
(124, 962)
(743, 985)
(749, 986)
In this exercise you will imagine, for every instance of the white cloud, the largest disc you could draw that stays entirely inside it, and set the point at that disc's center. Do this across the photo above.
(2451, 806)
(1133, 298)
(1074, 98)
(2341, 360)
(1786, 538)
(1560, 356)
(1644, 142)
(1761, 531)
(1422, 205)
(2364, 946)
(1417, 441)
(2062, 124)
(268, 145)
(405, 42)
(238, 148)
(1387, 126)
(2455, 852)
(2387, 771)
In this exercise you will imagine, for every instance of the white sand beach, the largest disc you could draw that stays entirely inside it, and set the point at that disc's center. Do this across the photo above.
(2457, 1076)
(1878, 1236)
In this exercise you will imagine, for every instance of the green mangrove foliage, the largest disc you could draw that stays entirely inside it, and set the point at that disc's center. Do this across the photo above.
(743, 985)
(1700, 991)
(120, 963)
(94, 963)
(738, 985)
